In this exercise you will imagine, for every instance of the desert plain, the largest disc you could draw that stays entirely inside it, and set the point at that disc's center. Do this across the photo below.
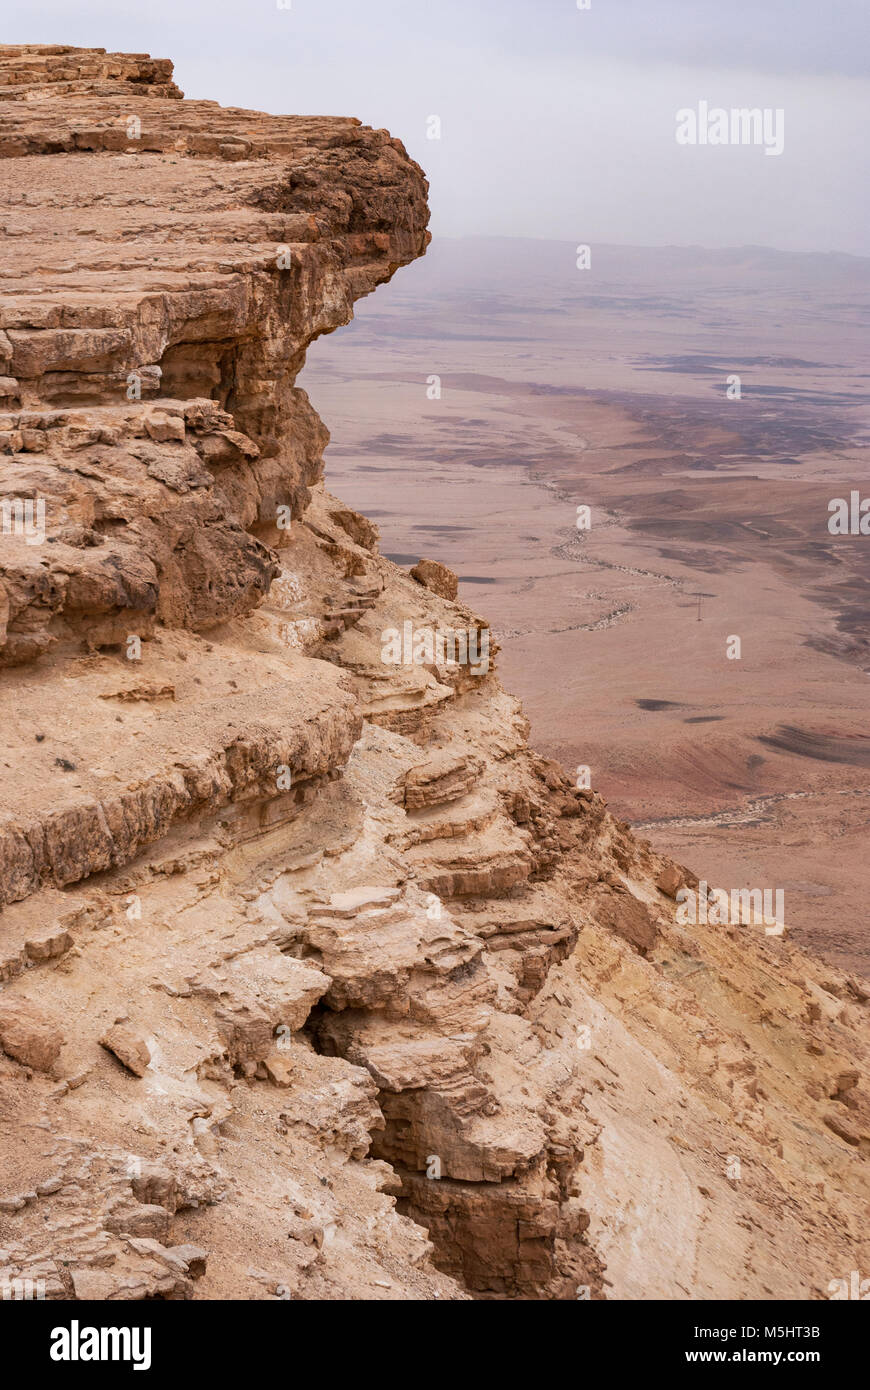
(707, 407)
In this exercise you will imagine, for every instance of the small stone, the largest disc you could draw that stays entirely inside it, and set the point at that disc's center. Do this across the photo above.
(670, 880)
(128, 1047)
(193, 1256)
(28, 1034)
(278, 1069)
(141, 1219)
(842, 1128)
(437, 578)
(846, 1081)
(162, 427)
(56, 941)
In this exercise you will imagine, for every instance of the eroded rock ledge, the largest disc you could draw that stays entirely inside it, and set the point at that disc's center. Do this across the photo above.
(316, 981)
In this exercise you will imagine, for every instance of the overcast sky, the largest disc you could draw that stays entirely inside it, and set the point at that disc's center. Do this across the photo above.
(555, 122)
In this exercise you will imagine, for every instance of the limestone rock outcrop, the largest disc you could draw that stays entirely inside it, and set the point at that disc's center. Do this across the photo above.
(316, 981)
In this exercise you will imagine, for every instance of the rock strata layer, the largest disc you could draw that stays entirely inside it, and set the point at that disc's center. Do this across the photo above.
(315, 980)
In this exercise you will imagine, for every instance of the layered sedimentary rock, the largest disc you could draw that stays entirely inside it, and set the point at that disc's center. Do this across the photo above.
(316, 981)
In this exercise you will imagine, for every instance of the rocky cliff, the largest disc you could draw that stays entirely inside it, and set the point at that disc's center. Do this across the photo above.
(316, 981)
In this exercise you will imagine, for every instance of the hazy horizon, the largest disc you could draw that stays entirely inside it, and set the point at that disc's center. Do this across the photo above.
(648, 246)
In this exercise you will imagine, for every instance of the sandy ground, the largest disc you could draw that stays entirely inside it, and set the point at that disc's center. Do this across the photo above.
(607, 389)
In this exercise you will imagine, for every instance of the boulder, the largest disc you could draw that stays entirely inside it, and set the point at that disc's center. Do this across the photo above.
(437, 578)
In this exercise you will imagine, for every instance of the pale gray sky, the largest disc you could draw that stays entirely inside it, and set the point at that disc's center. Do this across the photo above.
(556, 122)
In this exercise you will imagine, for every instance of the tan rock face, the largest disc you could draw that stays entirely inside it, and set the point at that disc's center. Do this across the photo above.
(175, 395)
(409, 1014)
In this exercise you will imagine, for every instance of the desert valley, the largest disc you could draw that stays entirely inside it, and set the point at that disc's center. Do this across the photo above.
(611, 386)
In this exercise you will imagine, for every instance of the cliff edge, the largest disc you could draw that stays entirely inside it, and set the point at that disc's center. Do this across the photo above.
(317, 982)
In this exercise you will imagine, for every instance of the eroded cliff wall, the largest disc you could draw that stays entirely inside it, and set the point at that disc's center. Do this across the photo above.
(316, 981)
